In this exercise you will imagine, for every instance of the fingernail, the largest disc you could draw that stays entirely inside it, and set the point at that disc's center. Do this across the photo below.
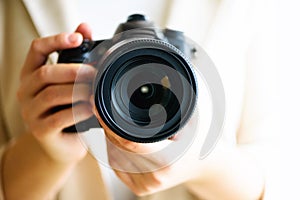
(73, 38)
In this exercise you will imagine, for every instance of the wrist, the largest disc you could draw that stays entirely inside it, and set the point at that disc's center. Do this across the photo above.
(56, 154)
(26, 160)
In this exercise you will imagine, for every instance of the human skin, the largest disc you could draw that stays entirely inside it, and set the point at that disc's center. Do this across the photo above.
(44, 148)
(225, 168)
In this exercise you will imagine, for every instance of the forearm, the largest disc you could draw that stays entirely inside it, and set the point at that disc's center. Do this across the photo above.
(230, 173)
(28, 173)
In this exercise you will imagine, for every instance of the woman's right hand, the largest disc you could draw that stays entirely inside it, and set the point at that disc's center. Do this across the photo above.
(46, 86)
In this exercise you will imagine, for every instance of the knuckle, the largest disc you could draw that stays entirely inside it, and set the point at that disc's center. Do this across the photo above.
(60, 38)
(71, 73)
(35, 44)
(157, 182)
(43, 73)
(141, 192)
(137, 192)
(148, 189)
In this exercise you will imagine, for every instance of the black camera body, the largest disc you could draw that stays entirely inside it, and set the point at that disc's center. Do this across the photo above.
(145, 89)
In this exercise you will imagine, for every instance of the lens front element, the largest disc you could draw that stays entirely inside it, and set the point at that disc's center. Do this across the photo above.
(147, 93)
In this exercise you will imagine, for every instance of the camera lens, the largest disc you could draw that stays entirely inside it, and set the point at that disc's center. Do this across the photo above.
(148, 95)
(145, 94)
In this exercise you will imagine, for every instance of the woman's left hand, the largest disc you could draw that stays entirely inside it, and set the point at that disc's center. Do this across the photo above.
(144, 168)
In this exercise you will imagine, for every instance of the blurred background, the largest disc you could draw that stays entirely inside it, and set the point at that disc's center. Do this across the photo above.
(288, 31)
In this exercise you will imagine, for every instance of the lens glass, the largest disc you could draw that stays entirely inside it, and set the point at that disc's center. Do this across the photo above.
(145, 94)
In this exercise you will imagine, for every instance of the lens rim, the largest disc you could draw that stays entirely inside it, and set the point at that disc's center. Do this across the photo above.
(130, 50)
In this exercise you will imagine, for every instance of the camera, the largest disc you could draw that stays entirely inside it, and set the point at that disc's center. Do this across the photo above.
(145, 88)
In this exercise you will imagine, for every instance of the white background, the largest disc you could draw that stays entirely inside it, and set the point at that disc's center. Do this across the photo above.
(288, 17)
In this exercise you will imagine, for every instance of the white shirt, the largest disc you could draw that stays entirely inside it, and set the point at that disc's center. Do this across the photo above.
(105, 16)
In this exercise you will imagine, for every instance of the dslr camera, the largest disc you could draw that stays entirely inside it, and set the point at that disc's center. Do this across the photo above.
(145, 89)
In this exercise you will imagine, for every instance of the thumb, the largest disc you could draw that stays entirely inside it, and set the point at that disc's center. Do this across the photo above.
(85, 30)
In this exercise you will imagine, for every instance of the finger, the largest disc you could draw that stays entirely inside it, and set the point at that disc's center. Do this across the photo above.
(85, 30)
(118, 141)
(125, 178)
(146, 182)
(173, 138)
(41, 47)
(120, 160)
(56, 74)
(58, 95)
(123, 160)
(140, 184)
(62, 119)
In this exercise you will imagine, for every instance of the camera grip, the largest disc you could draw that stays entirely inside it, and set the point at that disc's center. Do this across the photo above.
(78, 55)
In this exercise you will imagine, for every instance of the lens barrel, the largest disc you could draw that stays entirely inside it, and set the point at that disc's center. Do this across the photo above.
(147, 90)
